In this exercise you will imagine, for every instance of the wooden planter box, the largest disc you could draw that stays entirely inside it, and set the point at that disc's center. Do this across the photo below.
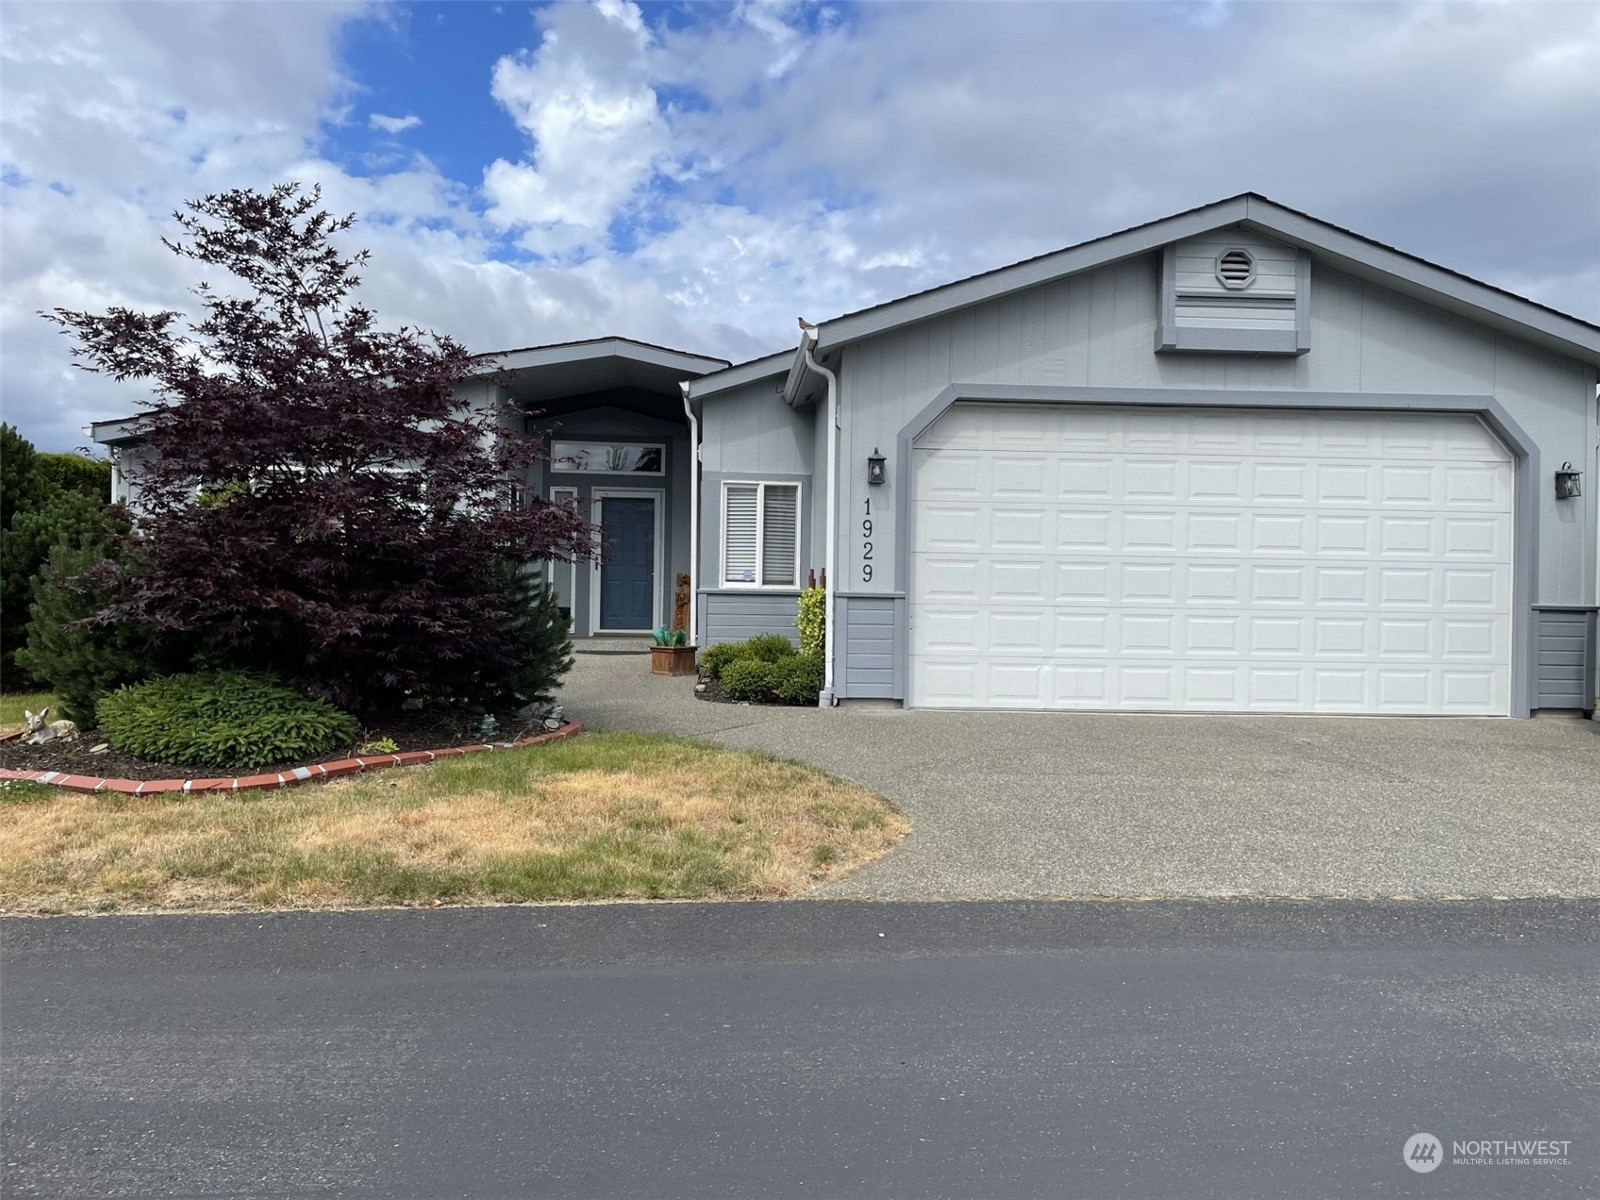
(672, 660)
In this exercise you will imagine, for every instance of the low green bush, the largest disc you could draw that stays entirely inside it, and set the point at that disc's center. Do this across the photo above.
(749, 679)
(714, 658)
(226, 720)
(769, 647)
(797, 680)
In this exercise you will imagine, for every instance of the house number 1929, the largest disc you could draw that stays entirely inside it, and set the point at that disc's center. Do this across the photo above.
(866, 545)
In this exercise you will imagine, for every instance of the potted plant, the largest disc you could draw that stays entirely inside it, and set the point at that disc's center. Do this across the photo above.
(672, 654)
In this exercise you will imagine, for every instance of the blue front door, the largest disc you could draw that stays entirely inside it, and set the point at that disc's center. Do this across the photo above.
(627, 570)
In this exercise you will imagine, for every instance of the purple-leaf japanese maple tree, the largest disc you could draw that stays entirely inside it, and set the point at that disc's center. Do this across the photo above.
(316, 497)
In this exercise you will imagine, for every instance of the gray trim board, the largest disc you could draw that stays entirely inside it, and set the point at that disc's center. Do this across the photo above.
(1302, 301)
(1525, 564)
(1176, 339)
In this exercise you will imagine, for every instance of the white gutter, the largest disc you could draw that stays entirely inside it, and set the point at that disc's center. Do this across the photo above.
(826, 699)
(694, 511)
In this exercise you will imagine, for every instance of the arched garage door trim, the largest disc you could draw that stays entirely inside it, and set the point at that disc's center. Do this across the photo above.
(1524, 453)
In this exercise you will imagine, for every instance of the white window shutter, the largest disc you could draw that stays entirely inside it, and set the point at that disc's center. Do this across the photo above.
(779, 535)
(739, 534)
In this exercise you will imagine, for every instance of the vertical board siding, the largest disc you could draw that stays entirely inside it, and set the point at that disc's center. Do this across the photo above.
(870, 628)
(752, 429)
(1566, 666)
(740, 616)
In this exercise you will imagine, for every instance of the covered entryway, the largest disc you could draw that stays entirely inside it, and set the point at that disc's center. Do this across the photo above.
(1165, 559)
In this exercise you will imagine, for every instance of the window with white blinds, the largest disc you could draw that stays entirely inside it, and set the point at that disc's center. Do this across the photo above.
(761, 534)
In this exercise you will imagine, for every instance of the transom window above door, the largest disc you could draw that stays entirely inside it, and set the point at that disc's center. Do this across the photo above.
(761, 534)
(608, 458)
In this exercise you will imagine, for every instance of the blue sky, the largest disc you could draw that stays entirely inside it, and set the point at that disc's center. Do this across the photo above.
(699, 174)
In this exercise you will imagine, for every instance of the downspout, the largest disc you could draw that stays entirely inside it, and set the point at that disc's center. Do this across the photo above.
(694, 511)
(826, 698)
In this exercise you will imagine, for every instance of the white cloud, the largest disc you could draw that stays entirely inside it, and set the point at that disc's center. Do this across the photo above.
(598, 135)
(393, 125)
(702, 178)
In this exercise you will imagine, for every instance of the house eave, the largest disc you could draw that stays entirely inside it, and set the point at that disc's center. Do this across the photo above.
(1337, 247)
(771, 366)
(691, 365)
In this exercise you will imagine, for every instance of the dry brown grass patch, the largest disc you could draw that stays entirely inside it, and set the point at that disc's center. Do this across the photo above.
(601, 816)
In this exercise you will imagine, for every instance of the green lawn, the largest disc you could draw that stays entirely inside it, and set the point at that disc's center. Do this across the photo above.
(597, 816)
(12, 704)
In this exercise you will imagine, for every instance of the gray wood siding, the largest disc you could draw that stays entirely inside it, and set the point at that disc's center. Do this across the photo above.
(1096, 329)
(739, 616)
(870, 629)
(751, 429)
(1566, 666)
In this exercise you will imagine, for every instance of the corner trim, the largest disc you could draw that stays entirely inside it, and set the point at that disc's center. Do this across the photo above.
(1302, 301)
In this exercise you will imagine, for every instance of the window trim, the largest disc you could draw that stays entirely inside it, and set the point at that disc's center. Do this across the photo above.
(659, 447)
(559, 495)
(761, 486)
(597, 501)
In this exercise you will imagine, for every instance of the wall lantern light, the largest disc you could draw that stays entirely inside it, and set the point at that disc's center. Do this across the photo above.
(1567, 482)
(875, 469)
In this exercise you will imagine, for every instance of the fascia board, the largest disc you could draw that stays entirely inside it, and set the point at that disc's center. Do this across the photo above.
(1049, 267)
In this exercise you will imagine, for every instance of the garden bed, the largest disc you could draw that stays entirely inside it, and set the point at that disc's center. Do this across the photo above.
(408, 731)
(707, 688)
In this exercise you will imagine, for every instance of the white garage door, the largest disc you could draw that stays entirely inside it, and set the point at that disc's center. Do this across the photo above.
(1201, 560)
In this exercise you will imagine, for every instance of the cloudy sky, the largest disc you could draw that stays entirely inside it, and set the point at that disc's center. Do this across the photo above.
(700, 174)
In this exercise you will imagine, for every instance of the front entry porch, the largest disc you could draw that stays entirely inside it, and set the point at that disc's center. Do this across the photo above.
(616, 438)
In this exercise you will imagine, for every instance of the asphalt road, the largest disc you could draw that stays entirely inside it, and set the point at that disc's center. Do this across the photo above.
(1225, 1048)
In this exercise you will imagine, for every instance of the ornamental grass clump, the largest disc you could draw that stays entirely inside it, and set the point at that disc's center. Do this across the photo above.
(226, 720)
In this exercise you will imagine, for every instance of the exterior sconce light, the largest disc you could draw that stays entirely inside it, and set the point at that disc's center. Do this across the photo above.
(1567, 482)
(875, 470)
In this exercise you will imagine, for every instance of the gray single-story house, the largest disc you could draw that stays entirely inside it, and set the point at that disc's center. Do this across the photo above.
(1234, 460)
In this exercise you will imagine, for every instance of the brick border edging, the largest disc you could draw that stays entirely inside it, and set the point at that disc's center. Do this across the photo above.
(278, 779)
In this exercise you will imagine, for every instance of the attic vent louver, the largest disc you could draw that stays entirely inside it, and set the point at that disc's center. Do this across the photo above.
(1236, 268)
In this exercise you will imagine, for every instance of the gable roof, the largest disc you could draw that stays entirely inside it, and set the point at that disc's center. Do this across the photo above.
(768, 366)
(602, 347)
(1333, 245)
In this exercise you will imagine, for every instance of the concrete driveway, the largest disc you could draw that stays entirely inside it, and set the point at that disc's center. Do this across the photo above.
(1046, 805)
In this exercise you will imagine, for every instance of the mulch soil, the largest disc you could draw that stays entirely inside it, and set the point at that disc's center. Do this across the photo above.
(409, 731)
(713, 691)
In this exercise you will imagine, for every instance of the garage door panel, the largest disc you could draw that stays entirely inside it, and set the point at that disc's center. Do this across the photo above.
(1025, 477)
(1212, 561)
